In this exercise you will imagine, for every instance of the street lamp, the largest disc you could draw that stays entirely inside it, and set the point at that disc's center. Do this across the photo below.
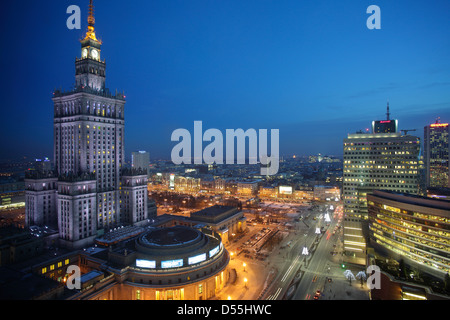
(244, 265)
(245, 283)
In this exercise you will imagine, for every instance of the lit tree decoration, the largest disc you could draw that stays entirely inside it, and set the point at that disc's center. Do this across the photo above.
(349, 275)
(361, 276)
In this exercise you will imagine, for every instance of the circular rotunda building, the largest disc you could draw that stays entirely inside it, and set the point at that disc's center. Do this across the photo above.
(174, 263)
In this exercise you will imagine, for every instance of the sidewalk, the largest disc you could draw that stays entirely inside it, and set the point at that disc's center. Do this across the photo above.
(341, 289)
(255, 272)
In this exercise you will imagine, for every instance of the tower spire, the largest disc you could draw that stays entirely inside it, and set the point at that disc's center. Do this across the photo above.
(91, 19)
(388, 114)
(90, 34)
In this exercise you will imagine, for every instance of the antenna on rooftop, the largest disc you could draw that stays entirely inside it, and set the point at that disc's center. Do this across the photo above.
(388, 114)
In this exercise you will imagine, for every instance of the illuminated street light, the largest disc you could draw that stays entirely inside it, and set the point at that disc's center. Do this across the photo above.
(245, 282)
(244, 265)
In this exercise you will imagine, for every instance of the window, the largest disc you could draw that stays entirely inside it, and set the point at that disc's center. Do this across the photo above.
(138, 294)
(200, 288)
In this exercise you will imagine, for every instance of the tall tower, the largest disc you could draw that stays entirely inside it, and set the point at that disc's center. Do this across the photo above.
(382, 160)
(90, 69)
(436, 154)
(140, 159)
(388, 114)
(88, 148)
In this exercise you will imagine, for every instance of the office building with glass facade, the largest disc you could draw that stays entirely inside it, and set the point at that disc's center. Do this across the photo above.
(374, 161)
(412, 227)
(436, 152)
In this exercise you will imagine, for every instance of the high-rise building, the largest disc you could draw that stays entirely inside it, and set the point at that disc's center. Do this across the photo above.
(40, 195)
(88, 150)
(374, 161)
(411, 227)
(40, 199)
(89, 138)
(140, 160)
(134, 196)
(436, 152)
(43, 165)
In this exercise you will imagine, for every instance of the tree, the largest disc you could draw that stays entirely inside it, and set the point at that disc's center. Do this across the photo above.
(349, 276)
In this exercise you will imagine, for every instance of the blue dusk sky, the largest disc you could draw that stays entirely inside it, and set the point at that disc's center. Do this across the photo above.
(310, 68)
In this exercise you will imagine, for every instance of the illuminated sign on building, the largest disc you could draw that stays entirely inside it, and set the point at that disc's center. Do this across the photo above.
(197, 259)
(145, 263)
(172, 263)
(385, 126)
(214, 251)
(285, 190)
(439, 125)
(172, 181)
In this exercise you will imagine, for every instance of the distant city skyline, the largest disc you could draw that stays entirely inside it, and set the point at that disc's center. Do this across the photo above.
(312, 70)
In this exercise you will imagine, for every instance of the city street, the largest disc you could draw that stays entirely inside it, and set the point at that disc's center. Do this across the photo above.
(289, 274)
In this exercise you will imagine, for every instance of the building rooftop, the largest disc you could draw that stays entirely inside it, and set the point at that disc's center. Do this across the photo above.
(90, 275)
(104, 93)
(171, 236)
(213, 211)
(119, 234)
(214, 214)
(414, 199)
(15, 285)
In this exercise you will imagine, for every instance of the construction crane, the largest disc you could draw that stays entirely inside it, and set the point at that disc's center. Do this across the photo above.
(407, 130)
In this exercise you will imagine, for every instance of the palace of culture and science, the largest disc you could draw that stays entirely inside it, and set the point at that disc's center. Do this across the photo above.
(89, 192)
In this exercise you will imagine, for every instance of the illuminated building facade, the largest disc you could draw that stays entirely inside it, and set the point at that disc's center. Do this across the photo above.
(187, 184)
(327, 193)
(247, 188)
(286, 193)
(412, 227)
(177, 263)
(374, 161)
(219, 185)
(134, 197)
(436, 152)
(385, 126)
(88, 152)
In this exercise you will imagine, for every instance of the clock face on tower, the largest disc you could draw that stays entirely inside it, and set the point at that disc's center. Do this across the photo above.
(94, 54)
(84, 53)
